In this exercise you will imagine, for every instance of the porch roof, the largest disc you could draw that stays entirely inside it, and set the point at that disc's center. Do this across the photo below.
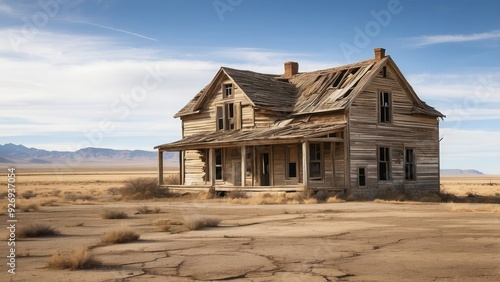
(292, 133)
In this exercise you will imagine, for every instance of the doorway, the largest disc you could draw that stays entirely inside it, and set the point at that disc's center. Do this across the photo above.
(265, 168)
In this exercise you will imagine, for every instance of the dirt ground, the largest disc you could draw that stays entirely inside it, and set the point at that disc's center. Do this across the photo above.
(350, 241)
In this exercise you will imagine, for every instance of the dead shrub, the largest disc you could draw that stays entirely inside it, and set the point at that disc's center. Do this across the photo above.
(172, 179)
(236, 194)
(33, 230)
(392, 196)
(147, 210)
(119, 236)
(430, 198)
(143, 188)
(199, 222)
(80, 258)
(28, 194)
(29, 207)
(112, 214)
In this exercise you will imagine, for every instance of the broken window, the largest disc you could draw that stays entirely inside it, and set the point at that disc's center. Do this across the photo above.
(385, 107)
(315, 161)
(227, 90)
(227, 116)
(230, 116)
(384, 161)
(291, 161)
(410, 164)
(384, 72)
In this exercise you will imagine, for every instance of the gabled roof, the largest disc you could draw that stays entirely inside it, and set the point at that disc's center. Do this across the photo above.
(310, 92)
(263, 90)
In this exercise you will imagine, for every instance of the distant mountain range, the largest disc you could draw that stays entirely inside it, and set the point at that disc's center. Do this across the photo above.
(460, 172)
(19, 154)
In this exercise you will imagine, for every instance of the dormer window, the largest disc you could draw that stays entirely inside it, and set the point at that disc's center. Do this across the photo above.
(227, 90)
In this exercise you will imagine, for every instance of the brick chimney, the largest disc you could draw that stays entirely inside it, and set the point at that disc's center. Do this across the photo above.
(291, 69)
(379, 53)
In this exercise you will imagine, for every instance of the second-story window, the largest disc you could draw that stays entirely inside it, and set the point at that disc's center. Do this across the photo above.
(228, 116)
(384, 107)
(220, 118)
(227, 90)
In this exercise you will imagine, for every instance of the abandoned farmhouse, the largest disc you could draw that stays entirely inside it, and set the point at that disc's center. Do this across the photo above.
(358, 128)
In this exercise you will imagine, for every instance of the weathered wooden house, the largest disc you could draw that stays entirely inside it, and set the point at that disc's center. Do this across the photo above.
(358, 128)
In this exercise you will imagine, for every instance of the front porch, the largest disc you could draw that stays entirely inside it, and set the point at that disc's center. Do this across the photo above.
(310, 158)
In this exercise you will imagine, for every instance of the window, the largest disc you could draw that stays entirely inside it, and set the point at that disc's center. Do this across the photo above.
(227, 90)
(384, 161)
(410, 164)
(227, 116)
(220, 118)
(385, 107)
(230, 116)
(384, 72)
(218, 164)
(291, 161)
(361, 177)
(315, 161)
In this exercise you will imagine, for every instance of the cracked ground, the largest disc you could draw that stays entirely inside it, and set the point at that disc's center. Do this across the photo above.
(363, 241)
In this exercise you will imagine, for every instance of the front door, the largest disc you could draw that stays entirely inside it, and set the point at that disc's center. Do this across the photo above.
(264, 176)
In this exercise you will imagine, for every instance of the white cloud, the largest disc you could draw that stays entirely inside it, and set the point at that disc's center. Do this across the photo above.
(483, 84)
(454, 38)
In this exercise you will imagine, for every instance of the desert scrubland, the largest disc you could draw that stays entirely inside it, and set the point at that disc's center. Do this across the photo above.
(80, 227)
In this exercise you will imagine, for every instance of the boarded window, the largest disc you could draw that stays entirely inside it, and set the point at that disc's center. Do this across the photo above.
(385, 107)
(227, 90)
(410, 164)
(218, 164)
(291, 161)
(315, 161)
(361, 177)
(384, 161)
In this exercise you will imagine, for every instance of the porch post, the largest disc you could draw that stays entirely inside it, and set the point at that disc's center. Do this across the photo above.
(160, 167)
(243, 166)
(211, 157)
(305, 163)
(181, 168)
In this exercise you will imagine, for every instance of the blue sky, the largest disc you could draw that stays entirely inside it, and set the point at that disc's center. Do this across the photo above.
(113, 73)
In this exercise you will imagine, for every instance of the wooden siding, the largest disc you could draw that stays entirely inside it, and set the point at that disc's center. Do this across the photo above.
(195, 167)
(406, 130)
(205, 121)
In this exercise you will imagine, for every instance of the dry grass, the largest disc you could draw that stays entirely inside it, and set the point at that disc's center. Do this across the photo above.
(73, 197)
(143, 188)
(33, 230)
(112, 214)
(197, 222)
(474, 208)
(80, 258)
(119, 236)
(484, 185)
